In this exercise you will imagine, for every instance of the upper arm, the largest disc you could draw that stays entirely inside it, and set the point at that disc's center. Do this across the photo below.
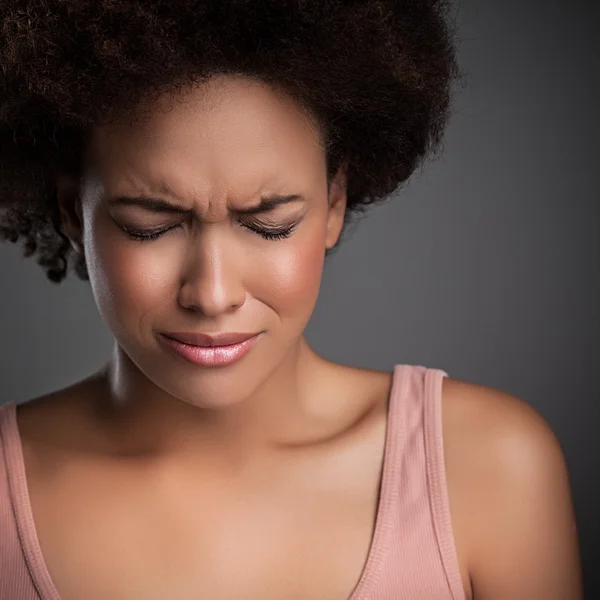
(522, 531)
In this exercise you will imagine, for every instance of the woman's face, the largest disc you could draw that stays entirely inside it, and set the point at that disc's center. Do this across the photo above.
(210, 156)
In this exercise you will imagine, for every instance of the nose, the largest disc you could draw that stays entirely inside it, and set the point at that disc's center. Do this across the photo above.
(211, 284)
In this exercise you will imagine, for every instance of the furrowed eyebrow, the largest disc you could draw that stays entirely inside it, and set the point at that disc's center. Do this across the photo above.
(162, 206)
(152, 204)
(269, 202)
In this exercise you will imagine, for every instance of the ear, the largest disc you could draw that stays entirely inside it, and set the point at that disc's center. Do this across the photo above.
(69, 205)
(337, 206)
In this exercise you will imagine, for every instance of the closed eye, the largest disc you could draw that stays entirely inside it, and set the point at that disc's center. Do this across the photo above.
(272, 233)
(266, 233)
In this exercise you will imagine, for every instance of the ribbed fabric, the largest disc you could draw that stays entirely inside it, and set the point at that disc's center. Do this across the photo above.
(412, 554)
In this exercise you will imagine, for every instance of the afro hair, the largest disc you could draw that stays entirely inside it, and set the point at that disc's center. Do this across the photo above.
(376, 75)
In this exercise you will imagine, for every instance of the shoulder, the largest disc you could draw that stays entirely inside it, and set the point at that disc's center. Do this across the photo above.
(498, 423)
(509, 489)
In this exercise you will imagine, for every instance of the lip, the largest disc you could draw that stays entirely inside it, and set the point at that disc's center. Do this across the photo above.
(204, 339)
(211, 355)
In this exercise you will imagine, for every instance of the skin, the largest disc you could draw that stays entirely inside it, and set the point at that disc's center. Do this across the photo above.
(284, 438)
(211, 273)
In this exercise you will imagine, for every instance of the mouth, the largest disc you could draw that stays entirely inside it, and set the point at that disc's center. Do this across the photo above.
(209, 340)
(210, 350)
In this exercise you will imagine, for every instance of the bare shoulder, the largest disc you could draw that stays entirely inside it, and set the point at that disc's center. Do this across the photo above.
(54, 424)
(510, 496)
(498, 421)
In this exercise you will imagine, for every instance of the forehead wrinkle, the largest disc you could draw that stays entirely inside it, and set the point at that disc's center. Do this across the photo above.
(218, 205)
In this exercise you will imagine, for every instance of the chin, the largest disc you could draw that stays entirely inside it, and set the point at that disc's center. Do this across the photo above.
(212, 387)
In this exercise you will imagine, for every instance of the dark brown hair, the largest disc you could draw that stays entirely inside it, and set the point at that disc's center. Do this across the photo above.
(375, 74)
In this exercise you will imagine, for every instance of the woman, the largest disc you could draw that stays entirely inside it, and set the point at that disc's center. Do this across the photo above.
(196, 162)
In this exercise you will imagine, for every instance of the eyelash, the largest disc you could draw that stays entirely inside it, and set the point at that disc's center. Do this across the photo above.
(141, 236)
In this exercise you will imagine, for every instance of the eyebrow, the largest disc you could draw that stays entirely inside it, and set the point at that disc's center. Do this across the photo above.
(162, 206)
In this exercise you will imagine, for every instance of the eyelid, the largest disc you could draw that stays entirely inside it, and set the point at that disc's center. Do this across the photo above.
(265, 222)
(147, 233)
(250, 222)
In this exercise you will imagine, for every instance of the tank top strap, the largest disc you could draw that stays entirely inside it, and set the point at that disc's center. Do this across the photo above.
(20, 556)
(436, 475)
(417, 554)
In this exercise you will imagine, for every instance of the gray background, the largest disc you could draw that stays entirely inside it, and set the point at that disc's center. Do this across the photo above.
(486, 265)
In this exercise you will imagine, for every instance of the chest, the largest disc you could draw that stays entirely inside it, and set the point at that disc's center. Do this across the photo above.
(123, 537)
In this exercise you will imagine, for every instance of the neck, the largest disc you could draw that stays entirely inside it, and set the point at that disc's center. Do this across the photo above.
(146, 420)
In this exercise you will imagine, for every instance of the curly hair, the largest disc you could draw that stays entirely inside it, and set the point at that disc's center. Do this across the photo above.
(376, 75)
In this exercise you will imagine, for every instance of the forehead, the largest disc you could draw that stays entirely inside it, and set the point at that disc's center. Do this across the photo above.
(231, 131)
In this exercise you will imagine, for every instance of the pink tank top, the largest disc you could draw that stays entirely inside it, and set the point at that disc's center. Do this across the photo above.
(412, 554)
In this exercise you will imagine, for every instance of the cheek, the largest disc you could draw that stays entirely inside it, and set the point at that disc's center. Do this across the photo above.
(293, 276)
(133, 282)
(129, 279)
